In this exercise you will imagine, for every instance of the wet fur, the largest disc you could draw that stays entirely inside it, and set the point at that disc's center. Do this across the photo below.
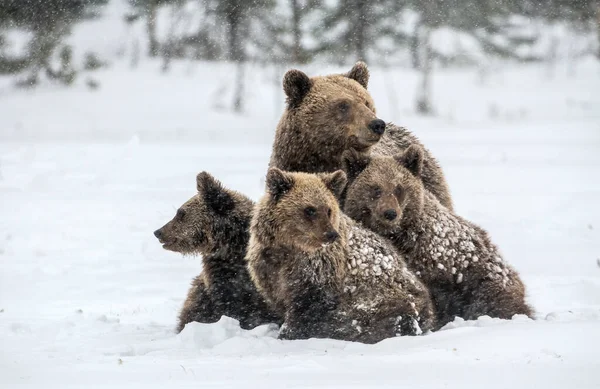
(317, 289)
(215, 225)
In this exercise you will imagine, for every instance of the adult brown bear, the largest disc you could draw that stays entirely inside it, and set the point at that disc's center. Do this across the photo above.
(326, 115)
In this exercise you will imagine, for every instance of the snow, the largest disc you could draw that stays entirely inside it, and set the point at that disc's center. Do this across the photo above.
(88, 296)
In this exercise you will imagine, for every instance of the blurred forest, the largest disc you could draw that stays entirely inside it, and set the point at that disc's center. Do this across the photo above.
(408, 33)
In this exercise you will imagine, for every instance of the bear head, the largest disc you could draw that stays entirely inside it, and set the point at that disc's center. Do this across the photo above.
(216, 217)
(300, 210)
(384, 192)
(324, 116)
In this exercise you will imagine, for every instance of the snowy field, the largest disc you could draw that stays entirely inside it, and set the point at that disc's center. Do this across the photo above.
(88, 298)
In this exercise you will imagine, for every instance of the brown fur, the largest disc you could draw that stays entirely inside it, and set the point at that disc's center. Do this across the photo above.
(326, 287)
(214, 223)
(457, 261)
(327, 115)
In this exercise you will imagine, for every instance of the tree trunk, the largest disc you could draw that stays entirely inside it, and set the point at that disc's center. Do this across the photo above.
(233, 24)
(238, 98)
(44, 42)
(135, 54)
(414, 47)
(424, 91)
(151, 25)
(552, 57)
(598, 27)
(361, 29)
(236, 54)
(296, 32)
(169, 50)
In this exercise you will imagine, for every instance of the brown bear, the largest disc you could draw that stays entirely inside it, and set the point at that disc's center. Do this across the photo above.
(214, 223)
(456, 260)
(325, 274)
(326, 115)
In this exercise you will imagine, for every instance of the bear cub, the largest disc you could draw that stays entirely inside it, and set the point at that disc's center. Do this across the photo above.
(326, 115)
(456, 260)
(327, 276)
(214, 223)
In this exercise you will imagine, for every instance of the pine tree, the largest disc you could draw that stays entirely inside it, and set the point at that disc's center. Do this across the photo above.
(583, 14)
(483, 19)
(300, 9)
(49, 21)
(149, 10)
(351, 29)
(280, 40)
(236, 15)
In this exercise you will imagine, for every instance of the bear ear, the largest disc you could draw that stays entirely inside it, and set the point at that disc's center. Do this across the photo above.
(335, 182)
(354, 162)
(359, 73)
(412, 159)
(296, 85)
(215, 196)
(278, 183)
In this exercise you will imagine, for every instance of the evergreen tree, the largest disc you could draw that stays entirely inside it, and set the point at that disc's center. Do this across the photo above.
(483, 19)
(351, 29)
(49, 21)
(583, 14)
(236, 16)
(149, 10)
(280, 39)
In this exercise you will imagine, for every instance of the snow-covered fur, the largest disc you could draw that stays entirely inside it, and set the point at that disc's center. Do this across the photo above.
(344, 282)
(377, 275)
(462, 268)
(214, 223)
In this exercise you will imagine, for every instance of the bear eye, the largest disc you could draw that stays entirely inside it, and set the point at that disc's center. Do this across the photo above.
(329, 212)
(376, 193)
(180, 215)
(344, 107)
(310, 212)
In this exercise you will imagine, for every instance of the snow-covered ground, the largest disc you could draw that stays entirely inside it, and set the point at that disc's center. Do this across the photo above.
(88, 297)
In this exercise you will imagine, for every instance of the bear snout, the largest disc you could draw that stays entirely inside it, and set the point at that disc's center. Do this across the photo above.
(377, 126)
(159, 234)
(331, 236)
(390, 214)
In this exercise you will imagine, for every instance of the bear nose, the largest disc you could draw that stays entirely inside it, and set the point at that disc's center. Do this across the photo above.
(331, 236)
(377, 126)
(390, 214)
(158, 233)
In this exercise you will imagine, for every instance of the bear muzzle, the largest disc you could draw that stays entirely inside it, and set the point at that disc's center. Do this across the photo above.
(331, 236)
(159, 235)
(390, 214)
(168, 244)
(377, 126)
